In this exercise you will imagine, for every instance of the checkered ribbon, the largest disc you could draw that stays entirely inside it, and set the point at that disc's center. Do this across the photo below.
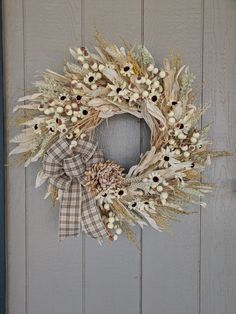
(66, 170)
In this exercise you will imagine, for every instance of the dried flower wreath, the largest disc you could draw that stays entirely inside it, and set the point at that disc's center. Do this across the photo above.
(95, 194)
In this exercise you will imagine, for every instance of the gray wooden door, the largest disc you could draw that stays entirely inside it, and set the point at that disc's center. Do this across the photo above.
(191, 270)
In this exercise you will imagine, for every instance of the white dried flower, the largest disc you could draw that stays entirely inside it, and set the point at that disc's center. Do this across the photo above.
(127, 70)
(167, 158)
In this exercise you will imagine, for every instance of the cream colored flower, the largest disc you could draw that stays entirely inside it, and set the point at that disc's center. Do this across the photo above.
(167, 158)
(133, 97)
(179, 176)
(127, 70)
(148, 206)
(106, 197)
(118, 91)
(155, 179)
(52, 126)
(133, 205)
(91, 78)
(37, 129)
(154, 97)
(82, 112)
(119, 193)
(64, 97)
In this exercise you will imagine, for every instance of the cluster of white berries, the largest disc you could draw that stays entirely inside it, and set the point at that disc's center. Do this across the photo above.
(62, 110)
(157, 183)
(155, 71)
(82, 54)
(112, 223)
(185, 148)
(195, 137)
(152, 83)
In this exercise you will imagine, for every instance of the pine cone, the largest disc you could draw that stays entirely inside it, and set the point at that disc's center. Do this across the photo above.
(102, 176)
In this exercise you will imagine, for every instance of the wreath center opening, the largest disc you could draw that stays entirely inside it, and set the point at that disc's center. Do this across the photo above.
(123, 138)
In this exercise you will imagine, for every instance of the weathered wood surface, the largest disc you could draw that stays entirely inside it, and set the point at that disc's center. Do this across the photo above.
(190, 270)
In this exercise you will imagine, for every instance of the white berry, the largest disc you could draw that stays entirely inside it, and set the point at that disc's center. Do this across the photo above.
(107, 206)
(150, 67)
(94, 86)
(83, 135)
(101, 67)
(159, 188)
(74, 105)
(111, 219)
(86, 66)
(184, 148)
(98, 76)
(68, 107)
(171, 120)
(69, 113)
(181, 136)
(145, 93)
(164, 195)
(162, 74)
(156, 84)
(59, 109)
(193, 140)
(74, 119)
(118, 231)
(143, 79)
(196, 135)
(110, 226)
(94, 66)
(135, 96)
(155, 70)
(186, 154)
(171, 113)
(73, 143)
(47, 111)
(81, 59)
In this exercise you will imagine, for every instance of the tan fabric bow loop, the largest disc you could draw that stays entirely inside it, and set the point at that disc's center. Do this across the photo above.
(66, 170)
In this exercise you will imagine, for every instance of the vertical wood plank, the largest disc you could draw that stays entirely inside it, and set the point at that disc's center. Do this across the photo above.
(218, 253)
(170, 261)
(2, 180)
(112, 271)
(54, 270)
(14, 88)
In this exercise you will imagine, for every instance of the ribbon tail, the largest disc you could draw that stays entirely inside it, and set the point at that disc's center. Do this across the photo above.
(91, 218)
(70, 211)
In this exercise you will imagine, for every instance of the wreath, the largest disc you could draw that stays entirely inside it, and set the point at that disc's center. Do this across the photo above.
(96, 195)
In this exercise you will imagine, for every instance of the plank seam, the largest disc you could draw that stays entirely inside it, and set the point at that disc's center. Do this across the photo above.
(141, 231)
(83, 235)
(25, 170)
(201, 123)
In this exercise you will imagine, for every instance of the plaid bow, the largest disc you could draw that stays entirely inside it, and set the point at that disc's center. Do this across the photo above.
(66, 169)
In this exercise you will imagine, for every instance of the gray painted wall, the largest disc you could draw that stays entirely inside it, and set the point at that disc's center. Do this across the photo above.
(191, 270)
